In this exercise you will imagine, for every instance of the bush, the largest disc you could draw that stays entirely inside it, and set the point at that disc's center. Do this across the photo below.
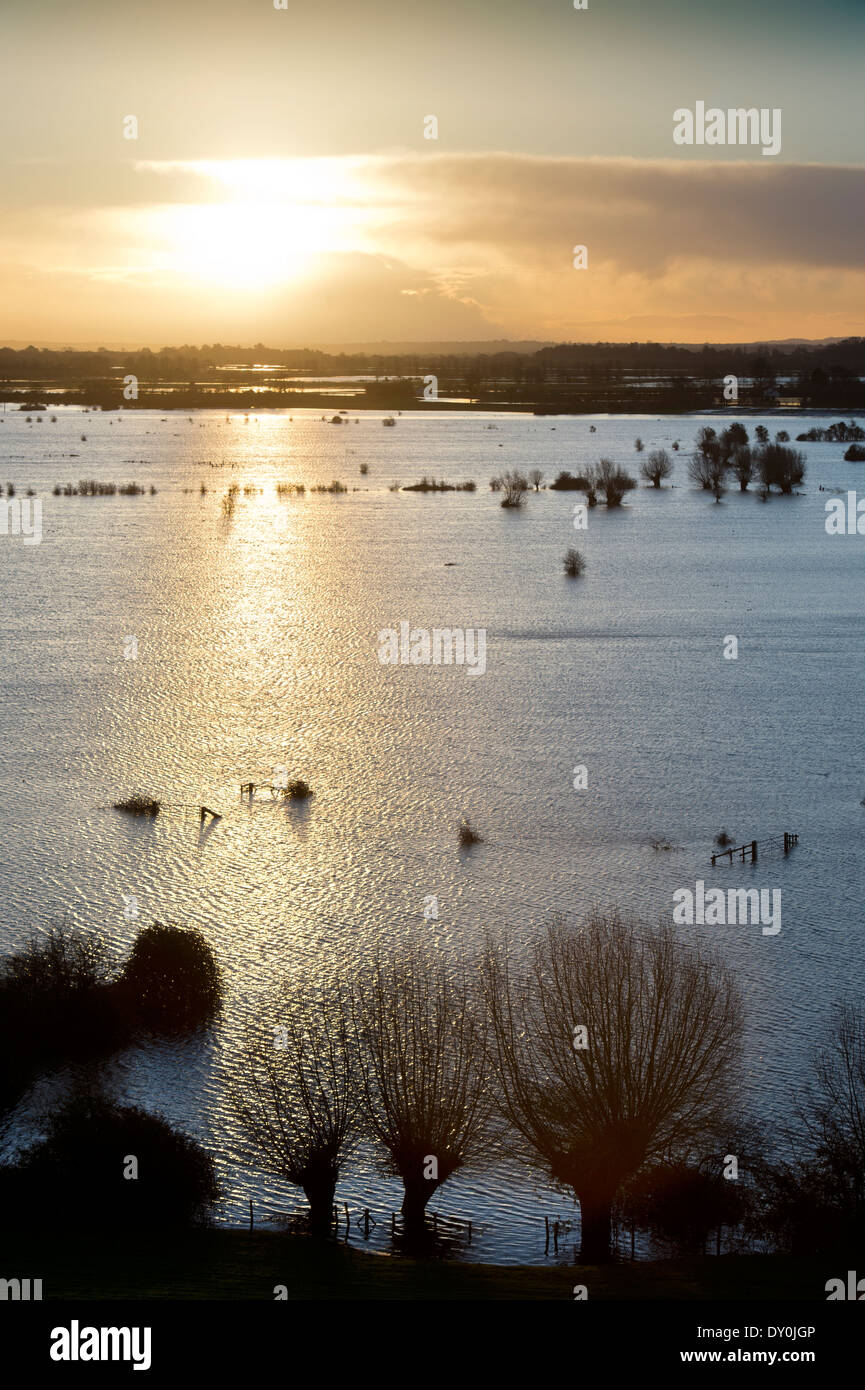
(139, 805)
(55, 1003)
(172, 980)
(298, 789)
(467, 836)
(514, 489)
(855, 454)
(566, 482)
(574, 563)
(430, 485)
(681, 1203)
(74, 1179)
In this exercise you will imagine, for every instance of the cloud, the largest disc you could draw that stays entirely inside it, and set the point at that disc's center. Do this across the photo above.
(436, 245)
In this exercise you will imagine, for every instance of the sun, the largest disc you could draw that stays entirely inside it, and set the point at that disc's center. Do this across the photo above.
(279, 215)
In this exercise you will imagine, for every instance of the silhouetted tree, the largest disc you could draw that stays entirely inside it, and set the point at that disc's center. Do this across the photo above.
(615, 1050)
(56, 1004)
(422, 1061)
(293, 1087)
(815, 1192)
(172, 979)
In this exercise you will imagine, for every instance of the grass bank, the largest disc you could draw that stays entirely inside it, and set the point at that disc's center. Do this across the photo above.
(237, 1265)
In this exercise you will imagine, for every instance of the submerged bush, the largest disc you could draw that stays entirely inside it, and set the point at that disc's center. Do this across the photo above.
(430, 485)
(610, 481)
(566, 482)
(172, 980)
(467, 836)
(514, 488)
(139, 805)
(855, 454)
(574, 563)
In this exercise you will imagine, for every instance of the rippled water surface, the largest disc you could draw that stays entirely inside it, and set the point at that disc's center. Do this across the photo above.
(257, 646)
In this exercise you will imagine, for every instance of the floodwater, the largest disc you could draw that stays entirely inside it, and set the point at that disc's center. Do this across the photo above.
(257, 646)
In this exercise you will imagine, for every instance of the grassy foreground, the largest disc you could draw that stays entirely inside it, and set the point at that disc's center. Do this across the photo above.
(220, 1264)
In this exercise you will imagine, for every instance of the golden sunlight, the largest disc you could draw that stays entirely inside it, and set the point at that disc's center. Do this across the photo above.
(278, 215)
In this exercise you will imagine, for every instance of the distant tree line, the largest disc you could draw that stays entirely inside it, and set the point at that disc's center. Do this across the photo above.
(566, 377)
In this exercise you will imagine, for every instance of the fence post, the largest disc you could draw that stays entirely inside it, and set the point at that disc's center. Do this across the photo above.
(753, 851)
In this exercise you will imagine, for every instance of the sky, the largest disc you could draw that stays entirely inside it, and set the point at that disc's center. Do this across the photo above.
(281, 186)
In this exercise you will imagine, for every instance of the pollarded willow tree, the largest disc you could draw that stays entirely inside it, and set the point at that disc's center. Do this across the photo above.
(613, 1049)
(656, 467)
(421, 1046)
(293, 1088)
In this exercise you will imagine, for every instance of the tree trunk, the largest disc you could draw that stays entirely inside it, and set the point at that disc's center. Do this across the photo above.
(320, 1193)
(417, 1193)
(596, 1216)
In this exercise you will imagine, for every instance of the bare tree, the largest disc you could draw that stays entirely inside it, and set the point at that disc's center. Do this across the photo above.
(742, 465)
(422, 1055)
(614, 1050)
(780, 467)
(293, 1087)
(610, 481)
(536, 477)
(832, 1110)
(657, 466)
(814, 1191)
(708, 464)
(514, 487)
